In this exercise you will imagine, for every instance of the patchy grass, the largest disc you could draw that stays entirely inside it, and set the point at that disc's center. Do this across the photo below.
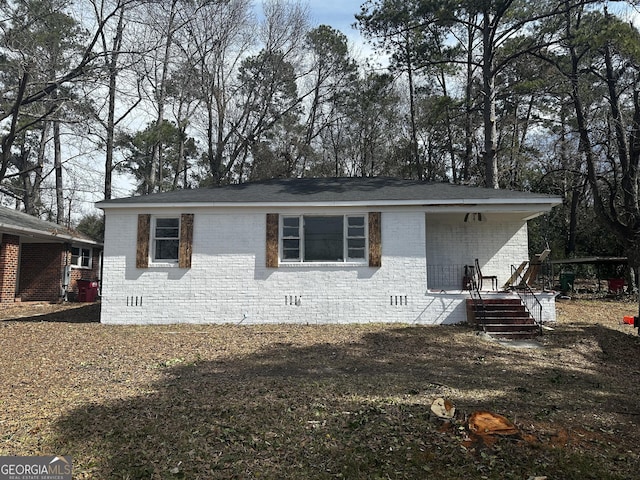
(341, 401)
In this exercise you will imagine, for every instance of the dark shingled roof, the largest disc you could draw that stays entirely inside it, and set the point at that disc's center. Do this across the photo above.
(21, 223)
(323, 190)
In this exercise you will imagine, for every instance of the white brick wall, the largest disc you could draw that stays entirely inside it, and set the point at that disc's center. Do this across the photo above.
(229, 283)
(548, 302)
(498, 242)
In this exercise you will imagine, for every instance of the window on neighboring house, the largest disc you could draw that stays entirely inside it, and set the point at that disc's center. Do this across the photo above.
(335, 238)
(166, 239)
(80, 257)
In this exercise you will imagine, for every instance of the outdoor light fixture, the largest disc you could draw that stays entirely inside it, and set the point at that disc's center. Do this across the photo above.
(475, 217)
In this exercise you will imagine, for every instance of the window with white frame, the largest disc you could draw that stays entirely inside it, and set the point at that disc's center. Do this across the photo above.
(80, 257)
(165, 239)
(324, 238)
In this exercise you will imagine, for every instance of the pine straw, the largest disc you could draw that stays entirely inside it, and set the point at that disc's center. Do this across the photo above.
(340, 401)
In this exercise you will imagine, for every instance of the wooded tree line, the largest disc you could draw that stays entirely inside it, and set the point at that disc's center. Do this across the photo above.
(541, 96)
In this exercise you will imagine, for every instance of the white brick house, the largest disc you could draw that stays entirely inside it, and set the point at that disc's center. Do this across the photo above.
(346, 250)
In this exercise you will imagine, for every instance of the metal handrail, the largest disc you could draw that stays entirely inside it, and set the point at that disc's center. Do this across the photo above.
(476, 297)
(534, 308)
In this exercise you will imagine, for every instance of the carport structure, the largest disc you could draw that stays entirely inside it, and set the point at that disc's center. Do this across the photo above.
(598, 262)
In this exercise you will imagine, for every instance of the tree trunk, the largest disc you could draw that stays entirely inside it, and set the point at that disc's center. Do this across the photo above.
(637, 273)
(216, 140)
(155, 174)
(468, 103)
(181, 164)
(570, 247)
(9, 138)
(447, 119)
(624, 222)
(412, 115)
(31, 188)
(57, 161)
(112, 68)
(489, 105)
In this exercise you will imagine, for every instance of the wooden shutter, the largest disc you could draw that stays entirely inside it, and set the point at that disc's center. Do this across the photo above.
(142, 245)
(186, 240)
(375, 240)
(273, 225)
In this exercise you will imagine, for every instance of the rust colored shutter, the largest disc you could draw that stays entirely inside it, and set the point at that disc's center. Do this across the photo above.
(375, 240)
(273, 221)
(186, 240)
(142, 245)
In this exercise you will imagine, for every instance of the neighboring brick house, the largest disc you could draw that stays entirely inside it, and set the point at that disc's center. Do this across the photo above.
(42, 261)
(341, 250)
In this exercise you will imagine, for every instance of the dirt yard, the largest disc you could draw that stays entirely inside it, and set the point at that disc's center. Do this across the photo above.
(349, 401)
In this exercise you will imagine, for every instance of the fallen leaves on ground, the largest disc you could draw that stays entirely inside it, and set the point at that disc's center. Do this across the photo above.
(443, 408)
(331, 401)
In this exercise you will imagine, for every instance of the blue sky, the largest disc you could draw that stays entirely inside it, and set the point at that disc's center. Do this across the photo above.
(340, 14)
(337, 13)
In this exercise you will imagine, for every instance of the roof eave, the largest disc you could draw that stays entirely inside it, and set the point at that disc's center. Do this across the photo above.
(32, 232)
(546, 204)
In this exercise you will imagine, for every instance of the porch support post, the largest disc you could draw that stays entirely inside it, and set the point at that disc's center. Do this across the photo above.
(9, 260)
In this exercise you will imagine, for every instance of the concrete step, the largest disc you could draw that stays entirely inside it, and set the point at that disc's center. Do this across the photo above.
(515, 335)
(508, 327)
